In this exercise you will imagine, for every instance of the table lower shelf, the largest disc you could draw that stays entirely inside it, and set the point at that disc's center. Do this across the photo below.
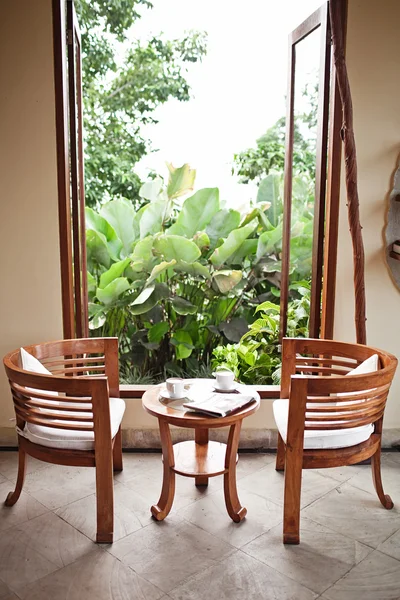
(194, 460)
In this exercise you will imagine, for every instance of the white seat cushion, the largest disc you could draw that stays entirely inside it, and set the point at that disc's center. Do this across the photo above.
(316, 439)
(70, 439)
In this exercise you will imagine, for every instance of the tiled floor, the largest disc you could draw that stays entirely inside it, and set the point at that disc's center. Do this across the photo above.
(350, 545)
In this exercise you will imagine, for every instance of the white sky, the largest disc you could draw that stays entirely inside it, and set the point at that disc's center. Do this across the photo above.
(238, 90)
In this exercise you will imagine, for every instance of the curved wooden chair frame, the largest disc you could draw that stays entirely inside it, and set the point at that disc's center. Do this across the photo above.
(85, 375)
(313, 378)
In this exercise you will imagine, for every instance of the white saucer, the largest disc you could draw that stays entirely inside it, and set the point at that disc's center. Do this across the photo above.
(228, 391)
(167, 396)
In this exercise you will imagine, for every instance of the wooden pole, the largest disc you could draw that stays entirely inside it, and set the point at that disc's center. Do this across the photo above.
(350, 156)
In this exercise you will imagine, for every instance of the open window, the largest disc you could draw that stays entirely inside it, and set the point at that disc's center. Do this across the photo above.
(309, 42)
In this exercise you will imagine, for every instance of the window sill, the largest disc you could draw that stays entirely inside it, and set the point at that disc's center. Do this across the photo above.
(270, 392)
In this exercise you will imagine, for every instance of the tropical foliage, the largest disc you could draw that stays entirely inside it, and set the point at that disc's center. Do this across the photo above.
(177, 278)
(121, 94)
(257, 356)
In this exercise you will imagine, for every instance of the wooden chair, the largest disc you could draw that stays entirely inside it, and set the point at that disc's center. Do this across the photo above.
(71, 416)
(330, 419)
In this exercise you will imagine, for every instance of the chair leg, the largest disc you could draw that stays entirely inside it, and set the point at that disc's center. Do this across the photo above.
(386, 500)
(105, 499)
(280, 454)
(117, 452)
(13, 496)
(291, 510)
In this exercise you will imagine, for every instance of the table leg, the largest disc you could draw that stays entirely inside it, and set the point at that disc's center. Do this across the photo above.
(164, 505)
(235, 510)
(201, 437)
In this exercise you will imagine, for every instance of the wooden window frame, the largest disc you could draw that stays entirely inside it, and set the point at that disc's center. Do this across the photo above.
(327, 186)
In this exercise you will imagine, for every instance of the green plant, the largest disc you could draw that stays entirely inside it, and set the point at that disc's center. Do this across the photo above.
(256, 358)
(175, 279)
(124, 81)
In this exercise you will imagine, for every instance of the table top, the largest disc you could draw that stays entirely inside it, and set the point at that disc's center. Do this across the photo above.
(175, 413)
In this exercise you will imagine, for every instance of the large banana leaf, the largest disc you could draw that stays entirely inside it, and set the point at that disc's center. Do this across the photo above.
(160, 268)
(225, 280)
(151, 190)
(152, 218)
(246, 250)
(112, 291)
(120, 214)
(269, 191)
(157, 332)
(269, 241)
(181, 180)
(234, 240)
(196, 213)
(223, 222)
(116, 270)
(97, 223)
(183, 344)
(148, 298)
(182, 306)
(194, 269)
(97, 250)
(176, 247)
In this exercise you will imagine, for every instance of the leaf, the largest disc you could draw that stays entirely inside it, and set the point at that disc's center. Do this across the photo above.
(113, 272)
(269, 241)
(158, 269)
(226, 280)
(113, 290)
(231, 244)
(223, 222)
(201, 240)
(234, 329)
(183, 344)
(91, 281)
(181, 180)
(96, 222)
(195, 269)
(268, 306)
(151, 190)
(97, 321)
(144, 295)
(269, 191)
(98, 252)
(246, 250)
(120, 214)
(148, 299)
(157, 332)
(176, 247)
(182, 306)
(196, 213)
(152, 218)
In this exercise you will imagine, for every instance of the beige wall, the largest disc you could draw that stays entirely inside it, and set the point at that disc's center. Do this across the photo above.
(373, 59)
(30, 298)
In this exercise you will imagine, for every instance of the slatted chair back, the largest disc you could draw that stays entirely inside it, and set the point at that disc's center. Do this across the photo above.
(76, 395)
(332, 398)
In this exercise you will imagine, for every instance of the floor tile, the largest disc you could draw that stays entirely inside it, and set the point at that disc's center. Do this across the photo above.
(322, 557)
(250, 462)
(26, 508)
(269, 483)
(390, 466)
(145, 491)
(391, 546)
(5, 592)
(167, 553)
(240, 577)
(355, 513)
(82, 514)
(342, 474)
(54, 539)
(98, 576)
(210, 514)
(139, 463)
(377, 577)
(9, 464)
(20, 564)
(56, 486)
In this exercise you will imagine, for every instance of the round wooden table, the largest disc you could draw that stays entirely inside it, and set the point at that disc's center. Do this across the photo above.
(199, 458)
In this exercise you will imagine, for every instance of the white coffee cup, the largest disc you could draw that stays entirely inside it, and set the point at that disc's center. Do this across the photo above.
(224, 379)
(175, 387)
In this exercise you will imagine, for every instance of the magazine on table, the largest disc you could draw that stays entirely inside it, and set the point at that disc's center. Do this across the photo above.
(220, 405)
